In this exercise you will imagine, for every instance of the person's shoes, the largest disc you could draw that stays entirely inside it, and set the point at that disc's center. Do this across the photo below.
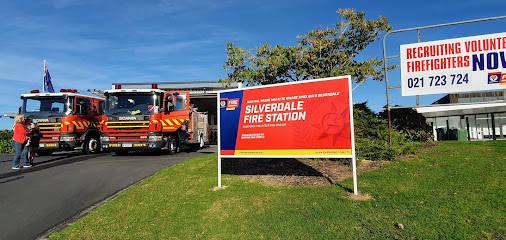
(27, 166)
(16, 168)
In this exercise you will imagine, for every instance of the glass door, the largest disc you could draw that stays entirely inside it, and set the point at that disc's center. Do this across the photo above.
(500, 125)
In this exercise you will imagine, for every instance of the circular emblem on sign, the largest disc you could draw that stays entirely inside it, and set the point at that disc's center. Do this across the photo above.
(223, 103)
(493, 77)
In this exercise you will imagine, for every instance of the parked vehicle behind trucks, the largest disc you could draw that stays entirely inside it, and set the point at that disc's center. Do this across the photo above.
(151, 119)
(67, 120)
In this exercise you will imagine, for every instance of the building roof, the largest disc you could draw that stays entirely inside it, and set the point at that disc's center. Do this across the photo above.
(197, 86)
(57, 94)
(461, 109)
(133, 90)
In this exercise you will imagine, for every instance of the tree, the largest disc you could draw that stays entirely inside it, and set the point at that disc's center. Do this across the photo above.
(320, 53)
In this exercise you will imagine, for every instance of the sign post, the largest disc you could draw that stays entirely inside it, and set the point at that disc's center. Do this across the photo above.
(305, 119)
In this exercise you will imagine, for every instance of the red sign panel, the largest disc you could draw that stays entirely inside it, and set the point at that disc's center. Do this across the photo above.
(307, 118)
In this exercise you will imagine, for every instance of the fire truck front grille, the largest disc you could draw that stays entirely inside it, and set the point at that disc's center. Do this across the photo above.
(50, 132)
(122, 137)
(128, 126)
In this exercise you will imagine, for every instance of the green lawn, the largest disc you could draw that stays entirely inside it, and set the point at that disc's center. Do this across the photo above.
(453, 191)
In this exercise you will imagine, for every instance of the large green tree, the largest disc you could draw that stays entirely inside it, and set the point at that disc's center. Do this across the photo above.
(324, 52)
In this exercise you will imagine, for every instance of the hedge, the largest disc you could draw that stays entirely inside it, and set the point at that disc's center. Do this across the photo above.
(6, 141)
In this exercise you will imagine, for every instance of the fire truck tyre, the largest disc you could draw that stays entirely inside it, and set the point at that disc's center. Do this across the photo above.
(45, 153)
(171, 145)
(121, 153)
(91, 145)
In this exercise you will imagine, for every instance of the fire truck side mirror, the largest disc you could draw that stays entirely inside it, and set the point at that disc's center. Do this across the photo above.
(19, 110)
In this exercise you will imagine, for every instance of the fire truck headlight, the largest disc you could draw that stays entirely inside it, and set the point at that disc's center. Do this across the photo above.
(104, 138)
(67, 139)
(155, 138)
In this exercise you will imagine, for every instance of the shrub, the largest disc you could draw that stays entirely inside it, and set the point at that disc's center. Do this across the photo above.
(6, 141)
(371, 137)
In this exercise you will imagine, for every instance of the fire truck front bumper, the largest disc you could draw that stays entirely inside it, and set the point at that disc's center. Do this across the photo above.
(49, 146)
(57, 146)
(152, 142)
(114, 146)
(69, 142)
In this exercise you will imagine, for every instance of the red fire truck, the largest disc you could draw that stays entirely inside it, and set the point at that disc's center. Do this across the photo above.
(151, 119)
(67, 120)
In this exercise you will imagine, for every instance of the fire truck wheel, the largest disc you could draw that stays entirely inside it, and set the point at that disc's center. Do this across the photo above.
(44, 153)
(91, 145)
(171, 145)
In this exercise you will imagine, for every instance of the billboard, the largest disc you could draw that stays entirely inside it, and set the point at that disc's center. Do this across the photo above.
(311, 118)
(454, 65)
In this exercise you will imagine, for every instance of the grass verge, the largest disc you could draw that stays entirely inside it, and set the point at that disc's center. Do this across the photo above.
(453, 191)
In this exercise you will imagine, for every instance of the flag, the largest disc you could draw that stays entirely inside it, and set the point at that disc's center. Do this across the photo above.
(48, 86)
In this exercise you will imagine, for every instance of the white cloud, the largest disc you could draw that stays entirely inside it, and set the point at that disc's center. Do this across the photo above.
(184, 7)
(20, 69)
(59, 4)
(171, 47)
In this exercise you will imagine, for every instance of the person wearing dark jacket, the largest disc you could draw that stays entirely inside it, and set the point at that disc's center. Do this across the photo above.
(19, 140)
(33, 143)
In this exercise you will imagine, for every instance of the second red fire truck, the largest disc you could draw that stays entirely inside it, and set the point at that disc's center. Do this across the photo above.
(151, 119)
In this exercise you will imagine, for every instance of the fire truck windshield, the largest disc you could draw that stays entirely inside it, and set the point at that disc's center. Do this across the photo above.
(132, 103)
(47, 106)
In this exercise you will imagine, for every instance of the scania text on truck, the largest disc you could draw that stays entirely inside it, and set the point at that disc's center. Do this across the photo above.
(67, 120)
(151, 119)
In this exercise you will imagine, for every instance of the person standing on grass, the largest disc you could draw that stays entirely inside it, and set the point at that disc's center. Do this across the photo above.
(19, 140)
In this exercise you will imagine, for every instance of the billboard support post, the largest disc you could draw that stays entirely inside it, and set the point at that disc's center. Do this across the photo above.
(219, 140)
(355, 182)
(219, 172)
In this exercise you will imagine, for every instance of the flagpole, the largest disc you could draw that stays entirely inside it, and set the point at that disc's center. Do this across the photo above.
(43, 74)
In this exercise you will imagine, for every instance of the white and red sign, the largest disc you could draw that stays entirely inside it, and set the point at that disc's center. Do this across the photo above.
(311, 118)
(454, 65)
(300, 119)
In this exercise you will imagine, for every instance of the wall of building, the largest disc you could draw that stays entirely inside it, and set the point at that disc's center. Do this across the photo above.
(474, 127)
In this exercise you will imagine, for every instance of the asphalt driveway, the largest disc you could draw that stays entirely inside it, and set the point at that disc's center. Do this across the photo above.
(61, 187)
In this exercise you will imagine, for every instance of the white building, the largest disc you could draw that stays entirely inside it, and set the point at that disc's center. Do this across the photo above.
(469, 116)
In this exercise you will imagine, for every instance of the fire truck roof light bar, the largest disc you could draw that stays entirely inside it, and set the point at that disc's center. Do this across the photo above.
(68, 90)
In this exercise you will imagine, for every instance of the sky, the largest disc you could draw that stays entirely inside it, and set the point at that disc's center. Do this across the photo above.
(91, 44)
